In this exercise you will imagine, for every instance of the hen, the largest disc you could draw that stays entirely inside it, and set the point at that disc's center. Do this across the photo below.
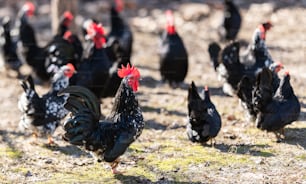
(275, 112)
(227, 65)
(43, 114)
(93, 71)
(204, 120)
(231, 22)
(246, 87)
(108, 139)
(173, 54)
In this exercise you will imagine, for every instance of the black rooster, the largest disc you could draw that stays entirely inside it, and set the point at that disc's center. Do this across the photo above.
(43, 114)
(121, 33)
(231, 22)
(9, 47)
(173, 54)
(275, 112)
(93, 71)
(204, 120)
(29, 51)
(107, 139)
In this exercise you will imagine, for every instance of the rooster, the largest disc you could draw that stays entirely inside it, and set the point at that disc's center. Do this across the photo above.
(232, 21)
(93, 71)
(278, 110)
(121, 33)
(257, 54)
(108, 139)
(204, 120)
(9, 47)
(173, 54)
(43, 114)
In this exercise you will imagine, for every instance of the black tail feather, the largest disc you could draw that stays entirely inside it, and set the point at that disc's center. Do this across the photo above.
(214, 50)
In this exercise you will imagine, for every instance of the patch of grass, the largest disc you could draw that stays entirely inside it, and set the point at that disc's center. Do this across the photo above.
(22, 170)
(11, 153)
(93, 174)
(301, 157)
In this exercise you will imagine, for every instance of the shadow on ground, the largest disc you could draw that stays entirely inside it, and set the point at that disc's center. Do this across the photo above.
(128, 179)
(244, 149)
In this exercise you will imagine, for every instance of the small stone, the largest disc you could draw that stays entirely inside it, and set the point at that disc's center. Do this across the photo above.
(28, 174)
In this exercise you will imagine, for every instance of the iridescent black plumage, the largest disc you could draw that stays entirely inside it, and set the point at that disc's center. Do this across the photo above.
(204, 119)
(173, 58)
(280, 110)
(9, 46)
(121, 32)
(232, 21)
(109, 138)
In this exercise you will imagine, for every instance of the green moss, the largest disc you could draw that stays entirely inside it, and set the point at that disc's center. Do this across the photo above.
(11, 153)
(22, 170)
(302, 157)
(93, 174)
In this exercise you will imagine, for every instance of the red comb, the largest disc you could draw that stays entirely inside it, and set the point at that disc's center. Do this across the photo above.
(287, 73)
(70, 66)
(95, 29)
(128, 70)
(68, 15)
(29, 7)
(119, 5)
(67, 35)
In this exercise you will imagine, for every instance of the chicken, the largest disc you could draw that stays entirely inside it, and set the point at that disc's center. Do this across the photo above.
(231, 22)
(65, 46)
(246, 88)
(120, 32)
(227, 65)
(173, 54)
(275, 112)
(43, 114)
(257, 54)
(204, 120)
(93, 71)
(28, 50)
(9, 47)
(60, 50)
(107, 139)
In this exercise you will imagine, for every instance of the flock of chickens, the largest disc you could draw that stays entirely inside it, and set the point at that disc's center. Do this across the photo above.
(80, 73)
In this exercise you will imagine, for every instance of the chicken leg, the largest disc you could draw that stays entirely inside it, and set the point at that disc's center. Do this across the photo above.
(280, 135)
(114, 166)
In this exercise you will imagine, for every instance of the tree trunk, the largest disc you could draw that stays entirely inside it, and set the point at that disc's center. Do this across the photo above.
(58, 7)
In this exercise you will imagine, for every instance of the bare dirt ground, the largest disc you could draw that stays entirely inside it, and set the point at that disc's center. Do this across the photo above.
(162, 154)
